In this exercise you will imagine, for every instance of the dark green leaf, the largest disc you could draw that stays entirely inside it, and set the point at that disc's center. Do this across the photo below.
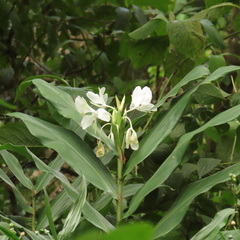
(205, 165)
(187, 37)
(148, 51)
(48, 212)
(212, 33)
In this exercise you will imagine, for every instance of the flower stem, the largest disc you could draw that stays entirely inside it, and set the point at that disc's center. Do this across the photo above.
(120, 186)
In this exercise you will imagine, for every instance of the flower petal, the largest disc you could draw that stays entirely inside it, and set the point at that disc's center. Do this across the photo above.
(82, 105)
(103, 115)
(99, 99)
(87, 120)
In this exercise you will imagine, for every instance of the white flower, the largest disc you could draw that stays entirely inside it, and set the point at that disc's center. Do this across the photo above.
(89, 114)
(131, 139)
(98, 99)
(141, 99)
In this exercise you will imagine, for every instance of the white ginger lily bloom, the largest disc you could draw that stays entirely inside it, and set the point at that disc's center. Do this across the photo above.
(141, 100)
(89, 114)
(98, 99)
(131, 139)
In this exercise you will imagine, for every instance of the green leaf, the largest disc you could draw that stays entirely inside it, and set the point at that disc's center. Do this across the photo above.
(149, 27)
(205, 165)
(73, 218)
(235, 234)
(7, 105)
(212, 33)
(139, 14)
(161, 5)
(32, 235)
(204, 13)
(28, 81)
(148, 51)
(65, 106)
(164, 126)
(187, 37)
(136, 231)
(215, 62)
(16, 169)
(21, 200)
(209, 94)
(20, 135)
(210, 231)
(48, 212)
(175, 158)
(197, 73)
(59, 205)
(44, 179)
(94, 217)
(9, 233)
(75, 152)
(177, 212)
(43, 167)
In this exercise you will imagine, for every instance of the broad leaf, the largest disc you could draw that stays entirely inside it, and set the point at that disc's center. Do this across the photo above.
(148, 51)
(187, 37)
(148, 28)
(75, 152)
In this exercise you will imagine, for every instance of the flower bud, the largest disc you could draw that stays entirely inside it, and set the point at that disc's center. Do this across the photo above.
(100, 150)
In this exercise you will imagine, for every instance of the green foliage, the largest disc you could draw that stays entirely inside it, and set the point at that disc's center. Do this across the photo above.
(184, 176)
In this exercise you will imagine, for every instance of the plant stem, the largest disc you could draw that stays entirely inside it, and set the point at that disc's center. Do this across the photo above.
(33, 211)
(120, 186)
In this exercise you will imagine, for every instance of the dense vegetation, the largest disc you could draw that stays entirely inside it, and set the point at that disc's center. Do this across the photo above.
(135, 163)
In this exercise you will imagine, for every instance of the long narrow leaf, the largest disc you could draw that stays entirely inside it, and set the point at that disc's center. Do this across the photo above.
(94, 217)
(210, 231)
(48, 212)
(59, 205)
(74, 215)
(16, 169)
(175, 158)
(29, 232)
(165, 125)
(43, 167)
(197, 73)
(9, 233)
(177, 212)
(46, 177)
(65, 106)
(71, 147)
(21, 200)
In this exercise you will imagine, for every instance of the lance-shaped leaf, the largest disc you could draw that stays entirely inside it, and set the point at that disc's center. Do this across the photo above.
(180, 207)
(73, 218)
(21, 200)
(65, 106)
(71, 147)
(45, 178)
(164, 126)
(94, 217)
(16, 169)
(175, 158)
(211, 230)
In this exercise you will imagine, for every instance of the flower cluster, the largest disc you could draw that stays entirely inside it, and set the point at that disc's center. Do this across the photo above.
(141, 101)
